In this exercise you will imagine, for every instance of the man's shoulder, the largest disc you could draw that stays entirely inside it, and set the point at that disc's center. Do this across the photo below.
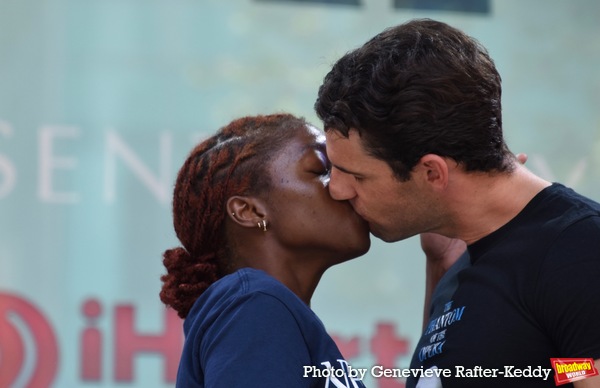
(567, 196)
(561, 207)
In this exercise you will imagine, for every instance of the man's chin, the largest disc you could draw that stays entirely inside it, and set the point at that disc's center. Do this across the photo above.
(385, 236)
(379, 233)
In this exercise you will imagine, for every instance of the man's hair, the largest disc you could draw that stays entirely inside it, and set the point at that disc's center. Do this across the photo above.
(418, 88)
(232, 162)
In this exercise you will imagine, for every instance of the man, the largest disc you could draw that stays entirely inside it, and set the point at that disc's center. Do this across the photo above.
(414, 134)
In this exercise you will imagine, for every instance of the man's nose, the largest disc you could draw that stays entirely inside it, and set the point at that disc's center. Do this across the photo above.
(339, 186)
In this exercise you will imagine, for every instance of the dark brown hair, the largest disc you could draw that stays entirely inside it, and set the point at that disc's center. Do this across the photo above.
(232, 162)
(417, 88)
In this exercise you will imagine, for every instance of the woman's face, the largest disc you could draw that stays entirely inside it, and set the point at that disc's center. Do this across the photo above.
(302, 213)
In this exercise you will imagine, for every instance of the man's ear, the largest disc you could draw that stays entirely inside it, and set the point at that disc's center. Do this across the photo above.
(435, 170)
(246, 211)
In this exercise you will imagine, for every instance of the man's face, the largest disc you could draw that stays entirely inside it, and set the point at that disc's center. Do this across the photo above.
(395, 210)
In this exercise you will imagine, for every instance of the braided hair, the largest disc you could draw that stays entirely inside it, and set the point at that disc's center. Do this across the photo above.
(231, 162)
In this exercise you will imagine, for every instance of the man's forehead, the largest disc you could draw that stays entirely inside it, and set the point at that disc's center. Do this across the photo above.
(336, 134)
(332, 140)
(345, 153)
(350, 142)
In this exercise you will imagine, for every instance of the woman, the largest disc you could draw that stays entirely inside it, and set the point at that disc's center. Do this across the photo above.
(252, 210)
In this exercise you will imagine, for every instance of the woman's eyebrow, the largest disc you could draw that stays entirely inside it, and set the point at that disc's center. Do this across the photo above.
(319, 146)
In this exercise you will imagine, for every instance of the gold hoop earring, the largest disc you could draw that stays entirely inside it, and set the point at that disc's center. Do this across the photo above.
(262, 225)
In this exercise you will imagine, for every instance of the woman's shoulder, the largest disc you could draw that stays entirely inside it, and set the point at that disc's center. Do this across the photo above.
(255, 284)
(244, 286)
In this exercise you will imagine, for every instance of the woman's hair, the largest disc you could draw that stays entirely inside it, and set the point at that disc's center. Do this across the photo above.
(417, 88)
(232, 162)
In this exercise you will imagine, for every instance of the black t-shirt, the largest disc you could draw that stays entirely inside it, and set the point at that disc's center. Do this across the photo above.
(531, 292)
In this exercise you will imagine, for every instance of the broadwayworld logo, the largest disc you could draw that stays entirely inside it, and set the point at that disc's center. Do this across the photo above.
(568, 370)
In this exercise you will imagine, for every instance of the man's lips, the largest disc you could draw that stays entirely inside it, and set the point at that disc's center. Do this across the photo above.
(362, 218)
(356, 211)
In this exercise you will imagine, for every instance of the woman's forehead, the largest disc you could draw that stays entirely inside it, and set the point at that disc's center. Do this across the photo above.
(305, 142)
(311, 139)
(316, 133)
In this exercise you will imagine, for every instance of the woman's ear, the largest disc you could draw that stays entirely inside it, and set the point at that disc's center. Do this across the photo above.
(246, 211)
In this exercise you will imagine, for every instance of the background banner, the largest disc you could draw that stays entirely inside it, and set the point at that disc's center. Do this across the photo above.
(101, 100)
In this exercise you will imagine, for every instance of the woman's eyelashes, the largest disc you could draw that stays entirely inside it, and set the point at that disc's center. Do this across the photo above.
(321, 171)
(324, 168)
(321, 166)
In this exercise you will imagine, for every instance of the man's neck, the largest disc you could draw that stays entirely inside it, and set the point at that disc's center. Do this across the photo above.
(482, 203)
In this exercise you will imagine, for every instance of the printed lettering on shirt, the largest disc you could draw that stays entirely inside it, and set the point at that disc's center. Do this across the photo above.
(436, 329)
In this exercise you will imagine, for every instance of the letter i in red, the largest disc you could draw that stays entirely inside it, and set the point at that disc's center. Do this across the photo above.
(91, 343)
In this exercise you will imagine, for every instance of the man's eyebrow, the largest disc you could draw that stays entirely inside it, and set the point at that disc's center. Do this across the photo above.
(344, 170)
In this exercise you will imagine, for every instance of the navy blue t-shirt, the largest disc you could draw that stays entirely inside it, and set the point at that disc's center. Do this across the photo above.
(531, 292)
(249, 330)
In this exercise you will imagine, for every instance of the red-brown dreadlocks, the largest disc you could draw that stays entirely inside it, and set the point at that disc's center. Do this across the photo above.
(232, 162)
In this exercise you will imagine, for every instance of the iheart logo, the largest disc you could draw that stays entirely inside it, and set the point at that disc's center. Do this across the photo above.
(22, 326)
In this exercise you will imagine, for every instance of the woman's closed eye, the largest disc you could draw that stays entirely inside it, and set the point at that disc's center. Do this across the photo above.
(322, 170)
(322, 165)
